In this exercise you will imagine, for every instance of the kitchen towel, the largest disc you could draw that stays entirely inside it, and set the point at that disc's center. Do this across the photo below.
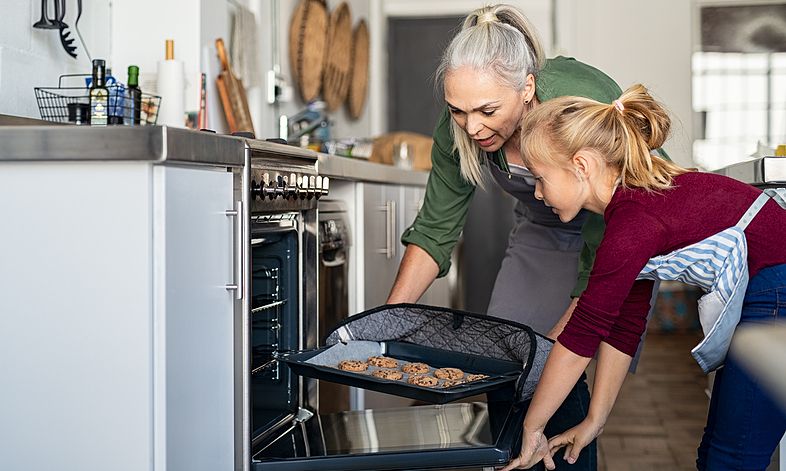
(171, 86)
(244, 47)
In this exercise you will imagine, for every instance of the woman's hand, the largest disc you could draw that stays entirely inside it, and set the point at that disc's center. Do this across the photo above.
(534, 447)
(575, 439)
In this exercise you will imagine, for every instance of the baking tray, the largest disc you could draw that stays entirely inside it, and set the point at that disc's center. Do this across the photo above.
(321, 364)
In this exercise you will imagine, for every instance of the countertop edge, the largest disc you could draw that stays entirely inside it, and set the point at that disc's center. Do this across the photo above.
(348, 168)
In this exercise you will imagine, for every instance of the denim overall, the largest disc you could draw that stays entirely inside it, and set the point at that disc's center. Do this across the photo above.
(718, 265)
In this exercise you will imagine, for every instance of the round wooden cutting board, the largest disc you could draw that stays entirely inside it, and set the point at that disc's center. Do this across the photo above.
(335, 77)
(307, 46)
(358, 85)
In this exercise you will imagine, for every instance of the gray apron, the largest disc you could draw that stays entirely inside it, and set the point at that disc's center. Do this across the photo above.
(540, 267)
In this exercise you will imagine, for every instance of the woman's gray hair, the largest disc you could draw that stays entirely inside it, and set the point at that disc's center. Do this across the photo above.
(498, 38)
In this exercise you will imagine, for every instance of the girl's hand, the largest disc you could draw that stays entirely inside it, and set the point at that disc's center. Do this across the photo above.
(534, 447)
(575, 439)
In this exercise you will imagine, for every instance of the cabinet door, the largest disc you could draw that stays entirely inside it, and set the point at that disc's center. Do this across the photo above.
(438, 293)
(380, 240)
(193, 253)
(411, 201)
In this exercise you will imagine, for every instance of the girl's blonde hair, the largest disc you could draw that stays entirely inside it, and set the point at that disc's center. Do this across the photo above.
(624, 132)
(496, 38)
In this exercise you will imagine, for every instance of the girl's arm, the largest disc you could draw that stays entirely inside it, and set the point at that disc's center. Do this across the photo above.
(612, 367)
(563, 369)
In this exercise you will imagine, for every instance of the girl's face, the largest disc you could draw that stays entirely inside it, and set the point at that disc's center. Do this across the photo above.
(487, 110)
(561, 189)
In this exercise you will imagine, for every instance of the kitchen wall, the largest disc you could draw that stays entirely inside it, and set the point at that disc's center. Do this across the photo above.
(35, 58)
(637, 41)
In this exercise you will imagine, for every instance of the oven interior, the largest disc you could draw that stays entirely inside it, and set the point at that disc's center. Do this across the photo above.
(274, 320)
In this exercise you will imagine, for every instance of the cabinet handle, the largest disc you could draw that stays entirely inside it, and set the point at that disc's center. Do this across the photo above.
(237, 213)
(392, 225)
(390, 230)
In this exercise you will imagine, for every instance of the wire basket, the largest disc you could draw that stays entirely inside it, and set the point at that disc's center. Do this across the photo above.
(53, 103)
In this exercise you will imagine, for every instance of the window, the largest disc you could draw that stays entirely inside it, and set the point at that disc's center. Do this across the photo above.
(739, 82)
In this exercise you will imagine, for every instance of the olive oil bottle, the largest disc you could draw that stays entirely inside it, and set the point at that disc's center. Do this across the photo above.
(134, 96)
(99, 94)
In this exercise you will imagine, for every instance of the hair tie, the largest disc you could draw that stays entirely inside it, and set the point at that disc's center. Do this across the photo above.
(487, 17)
(619, 106)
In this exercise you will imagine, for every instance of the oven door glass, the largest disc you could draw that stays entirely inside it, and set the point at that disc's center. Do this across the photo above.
(274, 322)
(424, 437)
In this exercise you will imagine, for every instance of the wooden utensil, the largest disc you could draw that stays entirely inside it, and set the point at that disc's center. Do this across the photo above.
(232, 94)
(335, 78)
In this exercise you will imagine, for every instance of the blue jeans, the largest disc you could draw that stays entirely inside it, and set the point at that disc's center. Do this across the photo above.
(744, 425)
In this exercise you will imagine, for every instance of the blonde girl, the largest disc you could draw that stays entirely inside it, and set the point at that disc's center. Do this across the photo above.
(664, 222)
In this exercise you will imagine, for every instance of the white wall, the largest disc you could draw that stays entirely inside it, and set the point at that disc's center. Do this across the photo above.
(638, 41)
(140, 29)
(31, 57)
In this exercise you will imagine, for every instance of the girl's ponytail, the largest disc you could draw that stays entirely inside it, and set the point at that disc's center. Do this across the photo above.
(625, 132)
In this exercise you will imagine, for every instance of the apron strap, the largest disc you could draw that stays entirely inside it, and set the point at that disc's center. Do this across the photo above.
(778, 194)
(753, 210)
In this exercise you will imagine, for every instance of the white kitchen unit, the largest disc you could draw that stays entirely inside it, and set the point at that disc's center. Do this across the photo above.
(380, 237)
(118, 259)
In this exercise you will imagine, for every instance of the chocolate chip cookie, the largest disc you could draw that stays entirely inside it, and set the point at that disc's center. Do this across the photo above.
(352, 365)
(383, 362)
(475, 377)
(392, 375)
(423, 380)
(449, 373)
(415, 368)
(449, 383)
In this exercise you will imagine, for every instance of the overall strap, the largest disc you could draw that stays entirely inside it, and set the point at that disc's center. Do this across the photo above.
(753, 210)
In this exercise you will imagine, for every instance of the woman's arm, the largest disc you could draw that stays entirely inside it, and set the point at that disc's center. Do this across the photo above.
(416, 273)
(560, 325)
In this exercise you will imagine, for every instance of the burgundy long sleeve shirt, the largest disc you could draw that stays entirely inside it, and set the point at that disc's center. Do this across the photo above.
(641, 225)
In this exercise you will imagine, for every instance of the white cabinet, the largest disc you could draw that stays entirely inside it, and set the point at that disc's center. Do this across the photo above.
(116, 325)
(438, 293)
(380, 235)
(383, 212)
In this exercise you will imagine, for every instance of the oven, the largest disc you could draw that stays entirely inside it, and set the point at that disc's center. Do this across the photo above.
(297, 246)
(282, 284)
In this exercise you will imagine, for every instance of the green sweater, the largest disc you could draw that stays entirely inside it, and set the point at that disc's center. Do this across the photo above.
(441, 219)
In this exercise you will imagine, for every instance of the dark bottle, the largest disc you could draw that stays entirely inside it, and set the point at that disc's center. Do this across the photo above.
(99, 94)
(134, 106)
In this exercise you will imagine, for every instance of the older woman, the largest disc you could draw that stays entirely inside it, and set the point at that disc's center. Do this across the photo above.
(493, 73)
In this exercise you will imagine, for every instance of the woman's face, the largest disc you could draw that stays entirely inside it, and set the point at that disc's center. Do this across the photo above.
(560, 189)
(487, 110)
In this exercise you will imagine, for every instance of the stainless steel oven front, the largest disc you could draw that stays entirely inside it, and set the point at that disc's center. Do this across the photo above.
(282, 295)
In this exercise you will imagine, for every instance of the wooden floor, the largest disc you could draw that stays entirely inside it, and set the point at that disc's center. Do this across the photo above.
(660, 414)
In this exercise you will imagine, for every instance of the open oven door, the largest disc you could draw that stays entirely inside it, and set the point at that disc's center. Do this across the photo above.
(456, 435)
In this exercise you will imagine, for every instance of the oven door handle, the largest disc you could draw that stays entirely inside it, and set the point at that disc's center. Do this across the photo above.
(237, 285)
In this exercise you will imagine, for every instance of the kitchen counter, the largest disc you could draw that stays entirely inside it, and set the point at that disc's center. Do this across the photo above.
(348, 168)
(34, 140)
